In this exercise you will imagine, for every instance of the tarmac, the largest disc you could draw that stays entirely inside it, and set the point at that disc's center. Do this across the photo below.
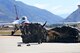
(8, 44)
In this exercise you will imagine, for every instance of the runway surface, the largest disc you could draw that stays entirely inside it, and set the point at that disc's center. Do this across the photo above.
(8, 44)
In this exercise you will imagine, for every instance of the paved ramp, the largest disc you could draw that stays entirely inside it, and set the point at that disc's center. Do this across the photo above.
(8, 44)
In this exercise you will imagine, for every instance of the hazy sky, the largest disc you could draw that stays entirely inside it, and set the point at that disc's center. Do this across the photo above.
(59, 7)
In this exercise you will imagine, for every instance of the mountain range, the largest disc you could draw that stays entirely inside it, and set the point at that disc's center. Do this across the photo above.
(34, 14)
(74, 16)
